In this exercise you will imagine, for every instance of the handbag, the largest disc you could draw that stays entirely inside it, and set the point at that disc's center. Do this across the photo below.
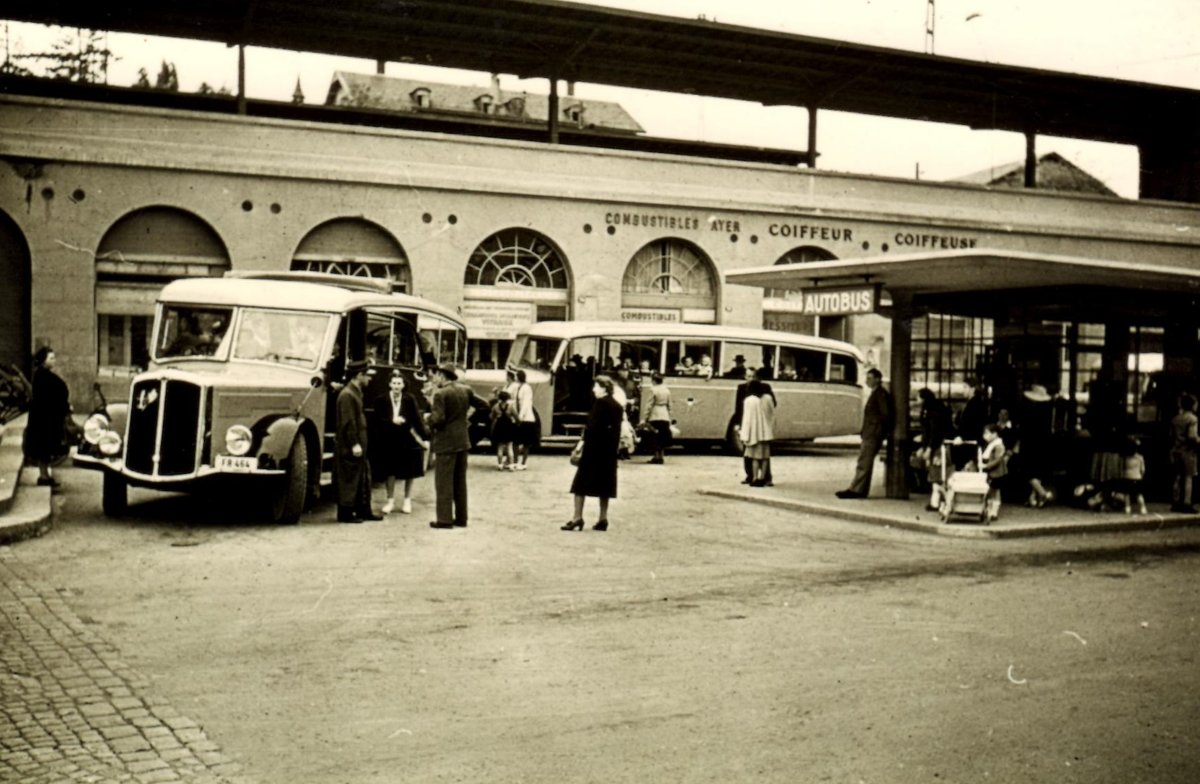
(577, 453)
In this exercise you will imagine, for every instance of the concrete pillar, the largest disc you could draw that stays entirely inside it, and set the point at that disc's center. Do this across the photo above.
(901, 366)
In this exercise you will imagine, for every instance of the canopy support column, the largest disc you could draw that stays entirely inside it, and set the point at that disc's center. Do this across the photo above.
(897, 449)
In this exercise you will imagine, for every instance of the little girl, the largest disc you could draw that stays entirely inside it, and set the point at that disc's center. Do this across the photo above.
(504, 428)
(996, 468)
(1133, 471)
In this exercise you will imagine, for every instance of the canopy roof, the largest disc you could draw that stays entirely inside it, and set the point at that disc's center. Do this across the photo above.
(990, 283)
(970, 271)
(543, 38)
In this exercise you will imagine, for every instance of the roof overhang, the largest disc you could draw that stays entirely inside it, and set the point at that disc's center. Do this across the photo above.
(971, 271)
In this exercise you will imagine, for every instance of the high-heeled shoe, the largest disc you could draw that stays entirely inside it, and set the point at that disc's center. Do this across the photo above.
(574, 525)
(601, 525)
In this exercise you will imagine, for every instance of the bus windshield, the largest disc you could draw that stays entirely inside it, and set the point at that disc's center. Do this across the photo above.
(288, 338)
(529, 353)
(186, 331)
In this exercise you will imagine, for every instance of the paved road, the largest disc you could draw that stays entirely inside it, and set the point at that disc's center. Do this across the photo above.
(699, 640)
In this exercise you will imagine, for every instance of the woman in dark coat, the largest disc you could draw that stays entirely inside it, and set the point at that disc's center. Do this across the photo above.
(45, 431)
(596, 474)
(398, 442)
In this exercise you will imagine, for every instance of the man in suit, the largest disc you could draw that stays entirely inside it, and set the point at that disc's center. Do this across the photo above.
(739, 407)
(350, 458)
(877, 422)
(450, 443)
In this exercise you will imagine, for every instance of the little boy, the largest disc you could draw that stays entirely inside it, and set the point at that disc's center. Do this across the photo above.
(1133, 471)
(995, 466)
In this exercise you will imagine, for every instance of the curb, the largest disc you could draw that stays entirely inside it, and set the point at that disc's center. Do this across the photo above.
(1119, 523)
(31, 513)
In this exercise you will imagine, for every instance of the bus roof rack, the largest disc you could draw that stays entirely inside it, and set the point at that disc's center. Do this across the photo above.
(350, 282)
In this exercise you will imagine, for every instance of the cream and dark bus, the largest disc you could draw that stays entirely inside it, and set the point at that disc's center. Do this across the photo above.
(817, 382)
(239, 399)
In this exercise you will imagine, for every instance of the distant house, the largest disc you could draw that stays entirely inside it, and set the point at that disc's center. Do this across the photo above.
(490, 104)
(1054, 173)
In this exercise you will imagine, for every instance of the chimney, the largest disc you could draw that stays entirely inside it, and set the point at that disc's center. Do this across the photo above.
(496, 87)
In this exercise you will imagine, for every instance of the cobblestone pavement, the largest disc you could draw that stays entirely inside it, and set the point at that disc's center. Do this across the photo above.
(72, 711)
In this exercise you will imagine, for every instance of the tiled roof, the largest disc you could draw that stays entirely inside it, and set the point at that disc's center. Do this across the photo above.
(1054, 173)
(389, 93)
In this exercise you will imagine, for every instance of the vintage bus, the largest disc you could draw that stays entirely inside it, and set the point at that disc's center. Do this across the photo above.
(818, 382)
(242, 385)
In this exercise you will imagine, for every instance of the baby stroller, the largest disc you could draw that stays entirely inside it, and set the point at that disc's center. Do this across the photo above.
(966, 490)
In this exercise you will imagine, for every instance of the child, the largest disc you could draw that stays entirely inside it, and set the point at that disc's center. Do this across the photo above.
(1132, 473)
(504, 428)
(995, 466)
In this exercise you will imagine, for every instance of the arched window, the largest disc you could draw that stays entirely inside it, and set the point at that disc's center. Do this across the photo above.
(672, 274)
(517, 257)
(513, 278)
(137, 256)
(356, 247)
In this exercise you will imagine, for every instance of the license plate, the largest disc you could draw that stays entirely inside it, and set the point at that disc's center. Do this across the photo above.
(240, 465)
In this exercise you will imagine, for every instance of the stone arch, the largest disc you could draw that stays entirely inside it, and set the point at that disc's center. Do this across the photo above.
(672, 273)
(514, 277)
(140, 253)
(356, 247)
(783, 308)
(16, 331)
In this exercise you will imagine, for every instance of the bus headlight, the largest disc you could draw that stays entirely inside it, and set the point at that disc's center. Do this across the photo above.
(109, 443)
(95, 427)
(238, 440)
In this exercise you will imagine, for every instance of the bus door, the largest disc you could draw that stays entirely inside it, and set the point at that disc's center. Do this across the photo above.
(701, 403)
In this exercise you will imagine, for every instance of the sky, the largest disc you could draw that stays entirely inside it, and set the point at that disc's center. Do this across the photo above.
(1146, 40)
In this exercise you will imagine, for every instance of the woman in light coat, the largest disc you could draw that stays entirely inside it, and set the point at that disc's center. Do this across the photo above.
(758, 430)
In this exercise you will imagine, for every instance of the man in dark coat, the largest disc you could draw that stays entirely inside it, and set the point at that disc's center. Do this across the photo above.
(450, 442)
(350, 461)
(739, 405)
(877, 422)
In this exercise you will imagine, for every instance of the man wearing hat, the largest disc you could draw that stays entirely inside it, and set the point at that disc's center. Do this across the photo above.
(350, 460)
(739, 368)
(450, 443)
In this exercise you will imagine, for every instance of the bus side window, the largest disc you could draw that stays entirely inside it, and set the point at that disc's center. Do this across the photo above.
(843, 369)
(379, 338)
(801, 364)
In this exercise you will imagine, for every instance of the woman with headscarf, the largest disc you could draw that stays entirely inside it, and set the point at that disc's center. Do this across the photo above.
(758, 429)
(45, 441)
(596, 474)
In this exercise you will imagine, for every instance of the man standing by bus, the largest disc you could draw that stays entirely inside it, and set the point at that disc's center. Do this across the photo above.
(877, 422)
(352, 469)
(451, 406)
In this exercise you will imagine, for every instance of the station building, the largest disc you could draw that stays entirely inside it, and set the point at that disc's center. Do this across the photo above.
(102, 203)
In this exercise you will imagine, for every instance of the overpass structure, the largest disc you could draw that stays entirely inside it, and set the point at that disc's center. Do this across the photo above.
(568, 41)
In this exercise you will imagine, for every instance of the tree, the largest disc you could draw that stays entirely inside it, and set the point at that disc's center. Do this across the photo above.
(167, 79)
(82, 58)
(143, 79)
